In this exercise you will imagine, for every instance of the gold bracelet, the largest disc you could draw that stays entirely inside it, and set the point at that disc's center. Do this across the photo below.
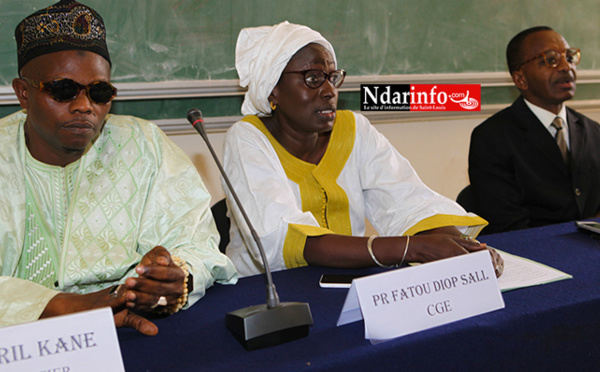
(370, 249)
(183, 299)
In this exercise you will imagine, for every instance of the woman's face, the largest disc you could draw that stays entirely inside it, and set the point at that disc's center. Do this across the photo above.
(299, 107)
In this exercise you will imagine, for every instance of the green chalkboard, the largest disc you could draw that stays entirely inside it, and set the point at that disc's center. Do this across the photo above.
(161, 40)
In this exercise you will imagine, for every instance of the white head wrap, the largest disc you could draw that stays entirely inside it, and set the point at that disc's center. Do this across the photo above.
(262, 53)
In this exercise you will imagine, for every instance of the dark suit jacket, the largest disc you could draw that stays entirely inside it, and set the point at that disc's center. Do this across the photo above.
(518, 177)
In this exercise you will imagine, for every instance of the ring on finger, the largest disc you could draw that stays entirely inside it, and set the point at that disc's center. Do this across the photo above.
(114, 291)
(499, 269)
(162, 301)
(470, 238)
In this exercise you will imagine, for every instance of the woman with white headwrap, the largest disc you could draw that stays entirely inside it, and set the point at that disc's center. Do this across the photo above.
(308, 174)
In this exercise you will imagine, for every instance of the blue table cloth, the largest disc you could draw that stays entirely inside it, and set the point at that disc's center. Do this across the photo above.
(555, 326)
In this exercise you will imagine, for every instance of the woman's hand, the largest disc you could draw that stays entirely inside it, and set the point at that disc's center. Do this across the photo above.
(160, 282)
(348, 251)
(433, 247)
(497, 261)
(447, 242)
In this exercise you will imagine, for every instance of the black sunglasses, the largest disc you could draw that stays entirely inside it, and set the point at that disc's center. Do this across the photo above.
(65, 90)
(315, 78)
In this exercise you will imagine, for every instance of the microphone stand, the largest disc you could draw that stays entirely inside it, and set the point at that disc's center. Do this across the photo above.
(267, 324)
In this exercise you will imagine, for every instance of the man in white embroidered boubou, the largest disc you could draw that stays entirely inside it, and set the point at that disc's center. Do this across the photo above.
(96, 209)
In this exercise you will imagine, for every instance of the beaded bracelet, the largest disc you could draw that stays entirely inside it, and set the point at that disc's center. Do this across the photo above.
(183, 299)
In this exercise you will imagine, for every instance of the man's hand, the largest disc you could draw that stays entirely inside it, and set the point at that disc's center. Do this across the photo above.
(158, 277)
(68, 303)
(126, 318)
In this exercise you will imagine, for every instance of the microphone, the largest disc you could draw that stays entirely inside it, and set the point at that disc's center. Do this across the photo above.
(267, 324)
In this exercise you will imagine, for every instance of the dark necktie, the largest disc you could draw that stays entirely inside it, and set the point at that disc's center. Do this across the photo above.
(560, 138)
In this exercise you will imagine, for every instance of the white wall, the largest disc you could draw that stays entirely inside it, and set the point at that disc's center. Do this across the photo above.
(438, 150)
(196, 149)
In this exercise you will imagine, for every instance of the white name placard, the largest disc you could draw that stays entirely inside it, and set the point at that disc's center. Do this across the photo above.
(400, 302)
(85, 341)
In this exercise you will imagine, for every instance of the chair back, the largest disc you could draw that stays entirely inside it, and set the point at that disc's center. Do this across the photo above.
(465, 199)
(219, 211)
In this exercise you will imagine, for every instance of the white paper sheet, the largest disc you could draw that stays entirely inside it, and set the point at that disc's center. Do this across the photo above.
(521, 272)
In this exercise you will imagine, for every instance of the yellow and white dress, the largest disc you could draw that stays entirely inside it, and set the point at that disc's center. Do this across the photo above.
(360, 176)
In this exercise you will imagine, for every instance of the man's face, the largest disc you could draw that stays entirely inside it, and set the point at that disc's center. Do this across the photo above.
(542, 85)
(59, 132)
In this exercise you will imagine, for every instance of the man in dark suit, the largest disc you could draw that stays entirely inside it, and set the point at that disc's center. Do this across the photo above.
(528, 167)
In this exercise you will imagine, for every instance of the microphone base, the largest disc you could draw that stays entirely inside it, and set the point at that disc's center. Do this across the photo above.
(257, 327)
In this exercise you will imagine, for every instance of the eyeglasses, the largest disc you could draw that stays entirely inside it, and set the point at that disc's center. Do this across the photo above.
(552, 58)
(65, 90)
(315, 78)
